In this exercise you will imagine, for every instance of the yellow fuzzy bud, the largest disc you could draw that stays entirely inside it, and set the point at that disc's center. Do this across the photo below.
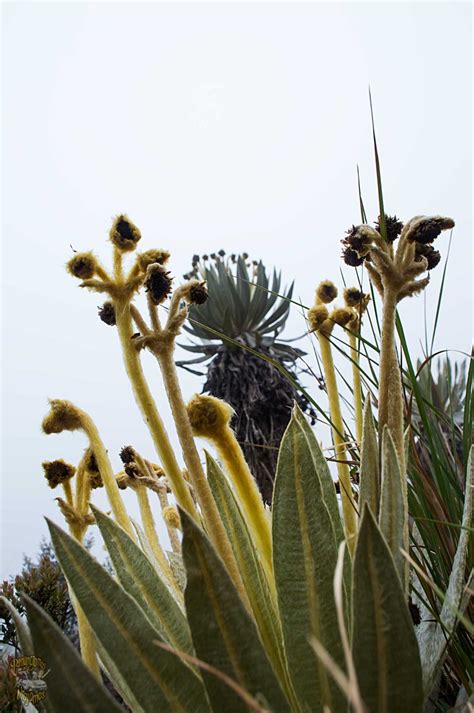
(149, 257)
(326, 291)
(124, 234)
(342, 316)
(208, 415)
(82, 265)
(63, 416)
(316, 316)
(353, 297)
(57, 472)
(171, 517)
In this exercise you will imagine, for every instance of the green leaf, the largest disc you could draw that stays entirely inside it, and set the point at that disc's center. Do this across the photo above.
(384, 645)
(369, 463)
(224, 634)
(393, 515)
(157, 679)
(433, 635)
(21, 627)
(70, 684)
(305, 548)
(140, 579)
(256, 584)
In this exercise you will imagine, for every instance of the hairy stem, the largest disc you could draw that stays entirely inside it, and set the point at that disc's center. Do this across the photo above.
(249, 497)
(107, 475)
(150, 532)
(357, 386)
(148, 408)
(212, 518)
(390, 411)
(347, 498)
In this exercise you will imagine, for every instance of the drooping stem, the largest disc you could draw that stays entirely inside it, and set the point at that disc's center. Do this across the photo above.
(172, 534)
(107, 475)
(214, 525)
(249, 497)
(357, 386)
(390, 412)
(347, 498)
(148, 408)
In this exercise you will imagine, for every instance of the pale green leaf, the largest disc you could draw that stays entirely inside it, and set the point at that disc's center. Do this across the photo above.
(253, 576)
(393, 515)
(384, 645)
(305, 551)
(433, 635)
(224, 634)
(140, 579)
(158, 679)
(71, 687)
(369, 463)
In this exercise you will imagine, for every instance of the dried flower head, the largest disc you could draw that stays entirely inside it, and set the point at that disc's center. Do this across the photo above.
(107, 313)
(326, 291)
(208, 415)
(63, 416)
(425, 229)
(393, 227)
(150, 257)
(124, 234)
(351, 257)
(197, 293)
(127, 454)
(171, 517)
(158, 283)
(427, 251)
(353, 297)
(82, 265)
(317, 315)
(57, 472)
(342, 316)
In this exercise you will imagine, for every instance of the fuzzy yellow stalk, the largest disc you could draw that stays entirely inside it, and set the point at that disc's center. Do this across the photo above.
(358, 301)
(161, 342)
(60, 473)
(325, 293)
(64, 416)
(356, 380)
(149, 527)
(148, 408)
(210, 418)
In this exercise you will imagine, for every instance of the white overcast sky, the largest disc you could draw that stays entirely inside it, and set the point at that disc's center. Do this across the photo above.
(213, 125)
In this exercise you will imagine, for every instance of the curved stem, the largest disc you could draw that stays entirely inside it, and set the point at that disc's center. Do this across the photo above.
(233, 458)
(107, 475)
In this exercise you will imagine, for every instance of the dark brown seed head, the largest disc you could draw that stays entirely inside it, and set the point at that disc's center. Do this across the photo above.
(57, 472)
(107, 313)
(351, 257)
(158, 283)
(393, 227)
(428, 229)
(198, 294)
(432, 256)
(127, 454)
